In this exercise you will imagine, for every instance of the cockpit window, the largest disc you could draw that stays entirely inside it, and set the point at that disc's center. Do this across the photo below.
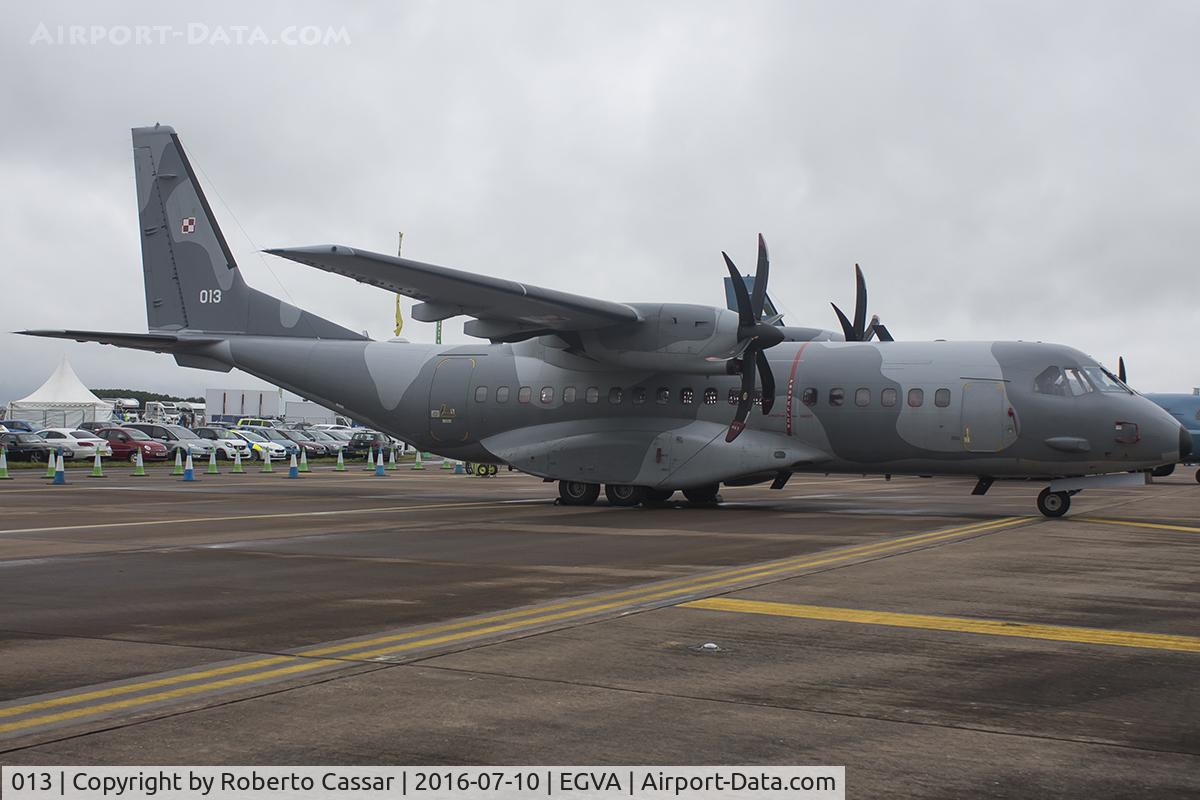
(1104, 380)
(1062, 381)
(1077, 382)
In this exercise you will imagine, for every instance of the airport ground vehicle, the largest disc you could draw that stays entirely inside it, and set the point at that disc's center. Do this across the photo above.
(227, 444)
(23, 446)
(75, 443)
(175, 437)
(259, 445)
(127, 442)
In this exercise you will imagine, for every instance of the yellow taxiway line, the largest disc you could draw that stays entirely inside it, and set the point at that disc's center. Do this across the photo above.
(1162, 526)
(365, 650)
(989, 627)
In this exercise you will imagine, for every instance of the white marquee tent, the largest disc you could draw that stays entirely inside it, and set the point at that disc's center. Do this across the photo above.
(61, 402)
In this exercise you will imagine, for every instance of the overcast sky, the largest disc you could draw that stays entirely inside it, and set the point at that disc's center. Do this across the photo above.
(1000, 170)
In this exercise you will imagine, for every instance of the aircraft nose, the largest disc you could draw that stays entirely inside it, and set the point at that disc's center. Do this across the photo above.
(1186, 446)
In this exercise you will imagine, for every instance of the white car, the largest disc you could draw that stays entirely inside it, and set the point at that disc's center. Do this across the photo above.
(260, 444)
(328, 426)
(227, 444)
(75, 443)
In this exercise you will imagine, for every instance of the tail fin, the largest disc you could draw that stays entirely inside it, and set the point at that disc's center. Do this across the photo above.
(192, 280)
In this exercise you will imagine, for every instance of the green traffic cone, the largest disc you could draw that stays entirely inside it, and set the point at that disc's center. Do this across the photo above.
(266, 467)
(304, 461)
(370, 467)
(139, 467)
(50, 466)
(417, 464)
(341, 462)
(392, 465)
(238, 469)
(178, 462)
(4, 476)
(97, 466)
(212, 462)
(446, 463)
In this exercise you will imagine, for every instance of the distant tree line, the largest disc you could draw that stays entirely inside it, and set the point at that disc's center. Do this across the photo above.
(142, 396)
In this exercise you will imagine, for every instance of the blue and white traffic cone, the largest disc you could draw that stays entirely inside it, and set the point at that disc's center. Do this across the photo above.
(189, 471)
(379, 466)
(60, 471)
(293, 468)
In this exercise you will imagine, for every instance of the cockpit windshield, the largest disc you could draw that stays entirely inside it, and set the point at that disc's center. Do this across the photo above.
(1076, 381)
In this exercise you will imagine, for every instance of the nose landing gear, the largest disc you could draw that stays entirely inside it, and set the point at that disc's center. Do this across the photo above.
(1054, 504)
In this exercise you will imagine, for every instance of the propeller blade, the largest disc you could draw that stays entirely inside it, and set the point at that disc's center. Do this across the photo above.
(1121, 368)
(847, 328)
(883, 333)
(860, 305)
(746, 399)
(768, 381)
(745, 310)
(760, 280)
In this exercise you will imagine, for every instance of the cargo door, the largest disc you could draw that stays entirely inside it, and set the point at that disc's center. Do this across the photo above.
(985, 422)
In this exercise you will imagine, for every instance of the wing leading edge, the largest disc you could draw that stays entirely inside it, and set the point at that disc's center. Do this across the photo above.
(504, 310)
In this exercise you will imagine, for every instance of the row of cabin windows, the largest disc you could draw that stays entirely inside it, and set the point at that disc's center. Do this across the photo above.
(687, 396)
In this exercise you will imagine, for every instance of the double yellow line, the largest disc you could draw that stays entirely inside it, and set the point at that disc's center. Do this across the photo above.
(346, 653)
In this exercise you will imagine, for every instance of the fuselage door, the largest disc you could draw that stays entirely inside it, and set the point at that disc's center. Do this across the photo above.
(985, 421)
(448, 401)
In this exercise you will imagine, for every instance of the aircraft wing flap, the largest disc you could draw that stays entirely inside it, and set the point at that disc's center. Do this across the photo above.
(446, 292)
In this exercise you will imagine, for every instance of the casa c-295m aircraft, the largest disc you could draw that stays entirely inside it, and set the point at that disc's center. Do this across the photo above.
(641, 398)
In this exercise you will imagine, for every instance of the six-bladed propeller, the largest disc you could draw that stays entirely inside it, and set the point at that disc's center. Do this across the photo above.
(758, 334)
(860, 330)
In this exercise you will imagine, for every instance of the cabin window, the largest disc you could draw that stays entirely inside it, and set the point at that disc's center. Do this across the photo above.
(547, 395)
(569, 394)
(615, 395)
(837, 396)
(862, 397)
(662, 396)
(524, 394)
(710, 396)
(501, 394)
(687, 396)
(941, 398)
(916, 397)
(734, 396)
(639, 395)
(887, 398)
(592, 395)
(809, 397)
(480, 394)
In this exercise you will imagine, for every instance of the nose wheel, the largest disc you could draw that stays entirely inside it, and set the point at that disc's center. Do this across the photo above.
(1053, 504)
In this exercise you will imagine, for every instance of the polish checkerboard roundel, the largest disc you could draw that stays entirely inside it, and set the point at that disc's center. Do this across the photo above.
(189, 225)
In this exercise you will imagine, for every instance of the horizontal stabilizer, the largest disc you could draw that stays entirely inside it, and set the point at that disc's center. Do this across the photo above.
(156, 342)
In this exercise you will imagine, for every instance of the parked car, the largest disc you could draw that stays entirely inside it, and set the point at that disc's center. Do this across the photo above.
(175, 437)
(362, 441)
(127, 442)
(275, 435)
(329, 426)
(75, 443)
(227, 443)
(259, 445)
(257, 422)
(310, 445)
(332, 443)
(18, 425)
(96, 427)
(25, 446)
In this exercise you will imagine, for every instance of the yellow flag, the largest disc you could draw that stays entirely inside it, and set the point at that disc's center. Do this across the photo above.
(399, 317)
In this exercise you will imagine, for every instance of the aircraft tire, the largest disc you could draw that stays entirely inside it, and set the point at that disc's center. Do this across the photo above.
(578, 493)
(702, 495)
(493, 470)
(1053, 504)
(623, 494)
(1198, 476)
(1163, 471)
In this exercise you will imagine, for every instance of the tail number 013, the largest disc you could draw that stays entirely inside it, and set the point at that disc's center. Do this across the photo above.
(210, 295)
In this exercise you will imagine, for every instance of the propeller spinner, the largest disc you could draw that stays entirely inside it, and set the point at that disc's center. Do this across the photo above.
(759, 335)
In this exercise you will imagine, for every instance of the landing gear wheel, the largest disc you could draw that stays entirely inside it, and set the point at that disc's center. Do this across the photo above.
(578, 493)
(623, 495)
(1163, 471)
(657, 497)
(702, 495)
(1053, 504)
(1198, 476)
(492, 470)
(481, 470)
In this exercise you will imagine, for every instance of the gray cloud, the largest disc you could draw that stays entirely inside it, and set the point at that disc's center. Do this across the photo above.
(999, 170)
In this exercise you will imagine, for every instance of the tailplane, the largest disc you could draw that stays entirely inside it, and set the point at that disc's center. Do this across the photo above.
(192, 279)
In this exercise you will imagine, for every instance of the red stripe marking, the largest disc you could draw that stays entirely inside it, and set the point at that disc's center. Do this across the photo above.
(791, 387)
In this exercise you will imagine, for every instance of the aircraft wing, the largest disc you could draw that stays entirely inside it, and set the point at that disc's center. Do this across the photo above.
(504, 311)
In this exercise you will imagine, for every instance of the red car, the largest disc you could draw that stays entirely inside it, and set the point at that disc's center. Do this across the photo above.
(125, 443)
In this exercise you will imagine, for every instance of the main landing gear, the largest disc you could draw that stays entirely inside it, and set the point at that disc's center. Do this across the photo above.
(579, 493)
